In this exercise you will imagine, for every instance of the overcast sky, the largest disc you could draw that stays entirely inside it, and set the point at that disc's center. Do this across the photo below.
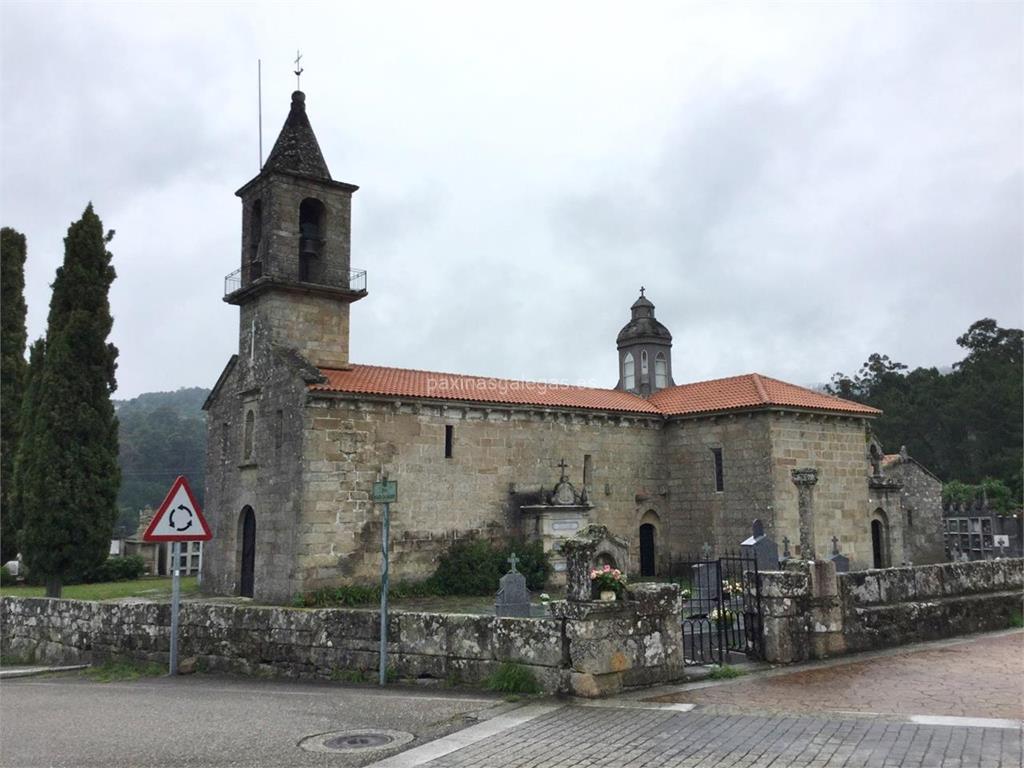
(798, 186)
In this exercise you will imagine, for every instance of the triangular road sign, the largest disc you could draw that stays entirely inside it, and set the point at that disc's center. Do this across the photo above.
(179, 517)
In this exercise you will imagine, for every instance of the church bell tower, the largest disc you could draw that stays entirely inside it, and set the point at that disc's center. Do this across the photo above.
(295, 283)
(645, 351)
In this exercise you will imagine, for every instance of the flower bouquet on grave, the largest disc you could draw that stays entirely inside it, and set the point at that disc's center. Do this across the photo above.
(607, 582)
(723, 617)
(732, 588)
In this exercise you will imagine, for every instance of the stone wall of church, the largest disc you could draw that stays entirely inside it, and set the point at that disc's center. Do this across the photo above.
(921, 499)
(836, 447)
(701, 514)
(266, 480)
(497, 453)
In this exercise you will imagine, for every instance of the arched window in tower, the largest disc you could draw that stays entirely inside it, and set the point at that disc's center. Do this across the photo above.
(643, 362)
(660, 371)
(312, 215)
(628, 372)
(255, 234)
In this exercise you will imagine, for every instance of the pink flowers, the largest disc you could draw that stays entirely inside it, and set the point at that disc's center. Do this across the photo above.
(607, 577)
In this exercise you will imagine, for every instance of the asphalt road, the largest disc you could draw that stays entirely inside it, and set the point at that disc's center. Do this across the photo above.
(208, 721)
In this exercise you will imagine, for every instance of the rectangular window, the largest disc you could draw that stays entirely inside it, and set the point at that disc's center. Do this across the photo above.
(719, 475)
(449, 438)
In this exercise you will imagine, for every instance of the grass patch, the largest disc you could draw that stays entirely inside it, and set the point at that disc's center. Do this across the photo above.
(116, 671)
(1016, 619)
(152, 587)
(725, 672)
(512, 678)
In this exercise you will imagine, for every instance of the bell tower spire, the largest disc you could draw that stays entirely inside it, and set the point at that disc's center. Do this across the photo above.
(295, 282)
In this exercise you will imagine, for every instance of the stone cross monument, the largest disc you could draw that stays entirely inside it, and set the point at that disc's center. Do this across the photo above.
(804, 479)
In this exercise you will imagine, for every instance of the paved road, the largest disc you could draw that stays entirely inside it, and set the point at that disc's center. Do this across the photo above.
(204, 720)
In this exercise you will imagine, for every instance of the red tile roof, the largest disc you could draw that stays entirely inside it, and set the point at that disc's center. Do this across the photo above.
(752, 390)
(735, 393)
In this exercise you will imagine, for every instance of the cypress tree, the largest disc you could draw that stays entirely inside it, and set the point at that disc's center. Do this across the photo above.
(69, 472)
(12, 374)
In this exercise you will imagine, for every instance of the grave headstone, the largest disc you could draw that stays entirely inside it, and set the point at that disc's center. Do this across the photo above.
(761, 548)
(707, 584)
(513, 598)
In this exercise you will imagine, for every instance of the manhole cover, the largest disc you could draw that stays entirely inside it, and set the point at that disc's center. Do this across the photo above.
(365, 740)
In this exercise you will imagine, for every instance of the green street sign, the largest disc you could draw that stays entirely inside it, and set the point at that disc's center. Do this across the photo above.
(385, 492)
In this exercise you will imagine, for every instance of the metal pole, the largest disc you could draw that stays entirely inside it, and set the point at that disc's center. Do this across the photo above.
(175, 600)
(384, 594)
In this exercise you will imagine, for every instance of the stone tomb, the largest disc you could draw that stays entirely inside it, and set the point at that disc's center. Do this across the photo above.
(563, 516)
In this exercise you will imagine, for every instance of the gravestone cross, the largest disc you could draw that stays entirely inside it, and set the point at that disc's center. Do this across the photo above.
(835, 545)
(706, 551)
(785, 547)
(513, 598)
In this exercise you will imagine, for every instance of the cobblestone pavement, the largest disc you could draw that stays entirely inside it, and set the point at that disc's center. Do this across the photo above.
(587, 736)
(863, 714)
(982, 677)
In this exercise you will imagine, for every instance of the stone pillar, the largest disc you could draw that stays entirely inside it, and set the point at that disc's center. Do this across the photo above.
(804, 479)
(579, 557)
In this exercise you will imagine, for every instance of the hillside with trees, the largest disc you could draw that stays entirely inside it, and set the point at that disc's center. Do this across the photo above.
(967, 425)
(162, 435)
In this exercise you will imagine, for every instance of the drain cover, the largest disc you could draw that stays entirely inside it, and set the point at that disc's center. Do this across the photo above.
(364, 740)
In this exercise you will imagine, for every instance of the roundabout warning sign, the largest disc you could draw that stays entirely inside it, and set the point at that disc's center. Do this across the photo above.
(179, 517)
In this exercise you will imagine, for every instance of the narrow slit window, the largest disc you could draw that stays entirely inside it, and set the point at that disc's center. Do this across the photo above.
(247, 442)
(588, 471)
(643, 362)
(449, 438)
(719, 475)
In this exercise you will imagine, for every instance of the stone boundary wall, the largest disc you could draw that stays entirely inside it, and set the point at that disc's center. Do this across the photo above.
(587, 649)
(810, 612)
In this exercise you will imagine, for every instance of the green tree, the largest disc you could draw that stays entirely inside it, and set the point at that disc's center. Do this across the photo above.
(69, 475)
(966, 425)
(12, 375)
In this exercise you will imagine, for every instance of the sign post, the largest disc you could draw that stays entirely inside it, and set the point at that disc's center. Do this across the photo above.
(178, 519)
(384, 493)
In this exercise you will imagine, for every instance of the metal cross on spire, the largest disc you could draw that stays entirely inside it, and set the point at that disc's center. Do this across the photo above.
(298, 70)
(641, 291)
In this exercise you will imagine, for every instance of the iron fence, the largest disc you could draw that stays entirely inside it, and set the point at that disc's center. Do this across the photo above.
(721, 607)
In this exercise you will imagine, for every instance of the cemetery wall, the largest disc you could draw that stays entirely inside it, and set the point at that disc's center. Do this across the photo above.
(592, 649)
(810, 612)
(499, 454)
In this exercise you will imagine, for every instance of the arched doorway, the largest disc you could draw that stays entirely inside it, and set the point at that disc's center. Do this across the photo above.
(650, 525)
(880, 540)
(247, 541)
(647, 549)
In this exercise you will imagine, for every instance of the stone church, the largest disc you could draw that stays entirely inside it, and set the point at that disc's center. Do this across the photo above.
(298, 433)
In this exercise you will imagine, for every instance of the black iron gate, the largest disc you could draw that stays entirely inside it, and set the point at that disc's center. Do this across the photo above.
(722, 614)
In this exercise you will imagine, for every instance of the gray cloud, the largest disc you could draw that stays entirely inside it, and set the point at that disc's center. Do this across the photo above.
(798, 186)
